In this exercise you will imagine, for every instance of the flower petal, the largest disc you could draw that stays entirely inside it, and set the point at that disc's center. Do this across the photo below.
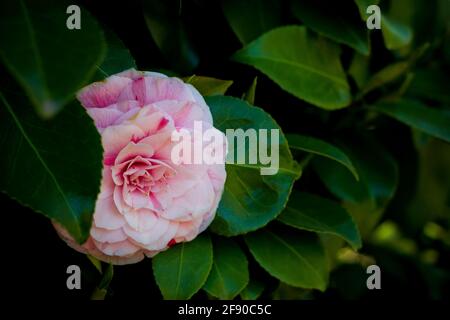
(115, 138)
(106, 214)
(104, 93)
(105, 235)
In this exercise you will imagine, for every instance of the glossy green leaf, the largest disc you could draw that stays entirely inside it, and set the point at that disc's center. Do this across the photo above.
(386, 75)
(376, 167)
(339, 21)
(251, 18)
(435, 122)
(183, 269)
(49, 61)
(294, 257)
(249, 96)
(165, 23)
(367, 198)
(396, 32)
(302, 64)
(117, 59)
(250, 200)
(208, 86)
(313, 213)
(229, 272)
(393, 71)
(60, 160)
(253, 290)
(322, 148)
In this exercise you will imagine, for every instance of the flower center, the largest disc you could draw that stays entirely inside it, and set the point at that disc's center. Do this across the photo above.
(147, 175)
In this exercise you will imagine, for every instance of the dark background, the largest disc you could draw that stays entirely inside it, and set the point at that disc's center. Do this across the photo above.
(36, 259)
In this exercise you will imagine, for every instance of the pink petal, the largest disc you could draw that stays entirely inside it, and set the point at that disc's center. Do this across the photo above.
(114, 114)
(105, 235)
(115, 138)
(147, 237)
(122, 248)
(184, 113)
(132, 150)
(141, 220)
(106, 215)
(187, 230)
(198, 98)
(153, 89)
(162, 242)
(150, 120)
(102, 94)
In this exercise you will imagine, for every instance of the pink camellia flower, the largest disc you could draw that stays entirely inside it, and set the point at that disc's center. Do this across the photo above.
(147, 202)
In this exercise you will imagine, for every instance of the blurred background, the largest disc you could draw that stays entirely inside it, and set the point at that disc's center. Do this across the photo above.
(407, 235)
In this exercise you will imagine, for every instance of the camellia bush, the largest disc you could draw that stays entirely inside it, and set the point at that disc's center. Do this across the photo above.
(348, 199)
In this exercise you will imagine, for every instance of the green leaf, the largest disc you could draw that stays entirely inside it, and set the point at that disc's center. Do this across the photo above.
(183, 269)
(362, 6)
(430, 199)
(165, 23)
(49, 61)
(107, 277)
(431, 84)
(396, 32)
(249, 96)
(367, 198)
(359, 69)
(229, 273)
(393, 71)
(60, 160)
(302, 64)
(253, 290)
(118, 58)
(294, 257)
(313, 213)
(396, 35)
(435, 122)
(386, 75)
(339, 21)
(322, 148)
(209, 86)
(251, 18)
(376, 167)
(102, 289)
(96, 263)
(250, 200)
